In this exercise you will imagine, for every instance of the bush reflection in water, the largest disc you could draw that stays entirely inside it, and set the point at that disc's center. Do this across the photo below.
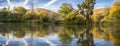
(58, 35)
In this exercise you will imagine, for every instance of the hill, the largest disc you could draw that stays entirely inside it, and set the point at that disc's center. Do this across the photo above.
(50, 14)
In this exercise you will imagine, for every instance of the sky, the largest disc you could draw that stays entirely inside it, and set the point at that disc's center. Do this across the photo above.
(53, 5)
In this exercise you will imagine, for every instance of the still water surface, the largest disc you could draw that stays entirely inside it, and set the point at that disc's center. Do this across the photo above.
(58, 35)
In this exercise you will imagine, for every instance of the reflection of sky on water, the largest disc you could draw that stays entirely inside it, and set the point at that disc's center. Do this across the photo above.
(100, 42)
(2, 40)
(15, 43)
(48, 40)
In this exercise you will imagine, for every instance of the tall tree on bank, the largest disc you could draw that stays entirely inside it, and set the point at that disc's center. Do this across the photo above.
(86, 8)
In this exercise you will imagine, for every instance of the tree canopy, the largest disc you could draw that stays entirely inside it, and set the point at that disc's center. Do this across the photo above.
(65, 8)
(20, 10)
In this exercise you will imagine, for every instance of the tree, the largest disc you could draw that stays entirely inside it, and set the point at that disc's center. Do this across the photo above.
(115, 12)
(3, 14)
(65, 8)
(112, 14)
(3, 10)
(18, 13)
(106, 11)
(74, 18)
(95, 18)
(86, 8)
(20, 10)
(69, 15)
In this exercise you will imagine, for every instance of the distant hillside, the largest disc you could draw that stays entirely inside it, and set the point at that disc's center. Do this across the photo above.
(116, 4)
(51, 14)
(99, 10)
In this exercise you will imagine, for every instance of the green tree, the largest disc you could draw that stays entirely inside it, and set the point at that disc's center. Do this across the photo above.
(18, 13)
(3, 10)
(69, 15)
(65, 8)
(74, 18)
(3, 14)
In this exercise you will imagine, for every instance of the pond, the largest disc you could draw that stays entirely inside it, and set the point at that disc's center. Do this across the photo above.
(16, 34)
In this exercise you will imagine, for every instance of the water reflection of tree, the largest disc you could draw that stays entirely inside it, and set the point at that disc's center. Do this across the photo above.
(99, 32)
(115, 37)
(3, 29)
(11, 28)
(114, 33)
(85, 34)
(80, 32)
(108, 33)
(41, 30)
(20, 30)
(86, 37)
(66, 33)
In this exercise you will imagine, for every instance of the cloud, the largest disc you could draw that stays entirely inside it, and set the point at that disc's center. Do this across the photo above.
(49, 3)
(25, 2)
(8, 2)
(13, 4)
(3, 7)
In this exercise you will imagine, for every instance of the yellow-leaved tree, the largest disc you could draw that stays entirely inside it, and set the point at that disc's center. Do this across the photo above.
(115, 11)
